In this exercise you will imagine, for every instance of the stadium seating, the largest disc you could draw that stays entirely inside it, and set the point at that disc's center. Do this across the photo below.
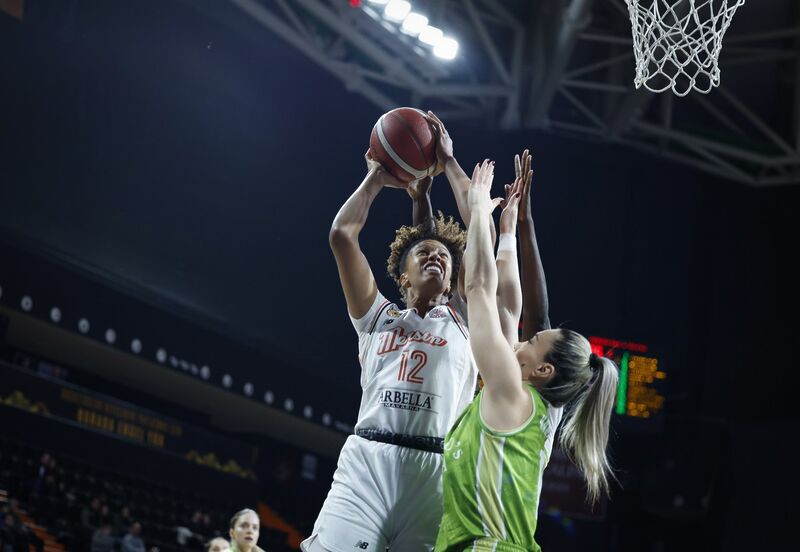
(56, 508)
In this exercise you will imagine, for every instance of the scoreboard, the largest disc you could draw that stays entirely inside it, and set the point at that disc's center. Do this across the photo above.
(641, 377)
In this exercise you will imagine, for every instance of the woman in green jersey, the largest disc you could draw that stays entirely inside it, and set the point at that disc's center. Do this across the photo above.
(244, 531)
(497, 450)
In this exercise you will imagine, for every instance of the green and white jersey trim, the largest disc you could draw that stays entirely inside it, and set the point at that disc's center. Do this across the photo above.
(489, 487)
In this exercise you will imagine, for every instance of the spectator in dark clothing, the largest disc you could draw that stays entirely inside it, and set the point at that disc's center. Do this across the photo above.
(90, 521)
(4, 510)
(26, 535)
(90, 515)
(42, 471)
(105, 515)
(51, 487)
(122, 521)
(17, 537)
(207, 527)
(196, 524)
(198, 536)
(8, 533)
(53, 480)
(132, 542)
(103, 540)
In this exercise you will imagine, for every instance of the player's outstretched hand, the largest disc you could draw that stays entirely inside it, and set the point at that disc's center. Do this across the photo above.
(508, 217)
(381, 174)
(522, 168)
(444, 143)
(481, 186)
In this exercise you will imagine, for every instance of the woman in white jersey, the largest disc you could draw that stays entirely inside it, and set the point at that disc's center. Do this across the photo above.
(403, 511)
(417, 374)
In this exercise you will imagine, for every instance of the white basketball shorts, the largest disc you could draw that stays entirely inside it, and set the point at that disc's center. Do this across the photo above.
(382, 496)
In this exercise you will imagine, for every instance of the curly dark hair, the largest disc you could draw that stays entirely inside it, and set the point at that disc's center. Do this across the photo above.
(445, 230)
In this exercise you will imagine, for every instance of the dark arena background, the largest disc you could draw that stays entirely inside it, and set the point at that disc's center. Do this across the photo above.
(174, 342)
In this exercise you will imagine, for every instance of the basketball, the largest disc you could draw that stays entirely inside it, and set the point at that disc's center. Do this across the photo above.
(404, 142)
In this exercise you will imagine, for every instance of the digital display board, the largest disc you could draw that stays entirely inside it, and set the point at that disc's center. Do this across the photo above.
(640, 393)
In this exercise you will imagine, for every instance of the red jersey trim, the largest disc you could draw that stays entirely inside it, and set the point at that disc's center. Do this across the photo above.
(455, 316)
(378, 315)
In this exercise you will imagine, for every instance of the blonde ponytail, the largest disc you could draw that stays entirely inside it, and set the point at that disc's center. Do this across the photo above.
(587, 384)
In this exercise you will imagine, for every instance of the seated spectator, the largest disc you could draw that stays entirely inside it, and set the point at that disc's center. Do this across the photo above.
(132, 542)
(16, 536)
(122, 521)
(42, 471)
(105, 515)
(90, 521)
(244, 531)
(103, 540)
(196, 525)
(8, 533)
(218, 544)
(26, 535)
(207, 526)
(90, 515)
(52, 486)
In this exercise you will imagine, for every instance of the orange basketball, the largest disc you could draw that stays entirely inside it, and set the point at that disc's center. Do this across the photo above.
(404, 142)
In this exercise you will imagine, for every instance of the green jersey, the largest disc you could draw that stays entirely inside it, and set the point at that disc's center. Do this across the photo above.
(492, 480)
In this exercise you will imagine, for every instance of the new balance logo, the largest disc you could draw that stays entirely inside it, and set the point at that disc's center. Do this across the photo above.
(362, 545)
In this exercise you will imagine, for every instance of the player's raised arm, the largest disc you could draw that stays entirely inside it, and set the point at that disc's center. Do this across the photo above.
(355, 274)
(493, 354)
(509, 294)
(458, 179)
(535, 306)
(422, 210)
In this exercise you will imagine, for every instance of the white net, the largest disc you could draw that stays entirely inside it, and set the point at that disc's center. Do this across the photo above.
(677, 42)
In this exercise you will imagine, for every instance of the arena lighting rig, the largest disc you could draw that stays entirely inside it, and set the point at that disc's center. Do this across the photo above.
(397, 16)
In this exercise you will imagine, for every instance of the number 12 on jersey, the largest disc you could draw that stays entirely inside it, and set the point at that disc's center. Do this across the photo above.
(418, 360)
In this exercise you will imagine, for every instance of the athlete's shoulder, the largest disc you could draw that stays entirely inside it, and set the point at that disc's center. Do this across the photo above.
(549, 416)
(379, 309)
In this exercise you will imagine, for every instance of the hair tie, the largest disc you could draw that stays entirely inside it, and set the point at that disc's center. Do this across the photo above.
(594, 362)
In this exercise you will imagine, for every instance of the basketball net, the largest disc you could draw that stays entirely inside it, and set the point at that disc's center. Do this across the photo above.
(677, 42)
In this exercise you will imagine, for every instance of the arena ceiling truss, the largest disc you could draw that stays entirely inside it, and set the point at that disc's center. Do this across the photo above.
(566, 67)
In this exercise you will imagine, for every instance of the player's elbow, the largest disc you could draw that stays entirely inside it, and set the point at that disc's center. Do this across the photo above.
(339, 236)
(510, 310)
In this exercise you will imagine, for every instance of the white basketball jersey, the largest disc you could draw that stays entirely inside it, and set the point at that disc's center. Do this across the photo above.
(417, 374)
